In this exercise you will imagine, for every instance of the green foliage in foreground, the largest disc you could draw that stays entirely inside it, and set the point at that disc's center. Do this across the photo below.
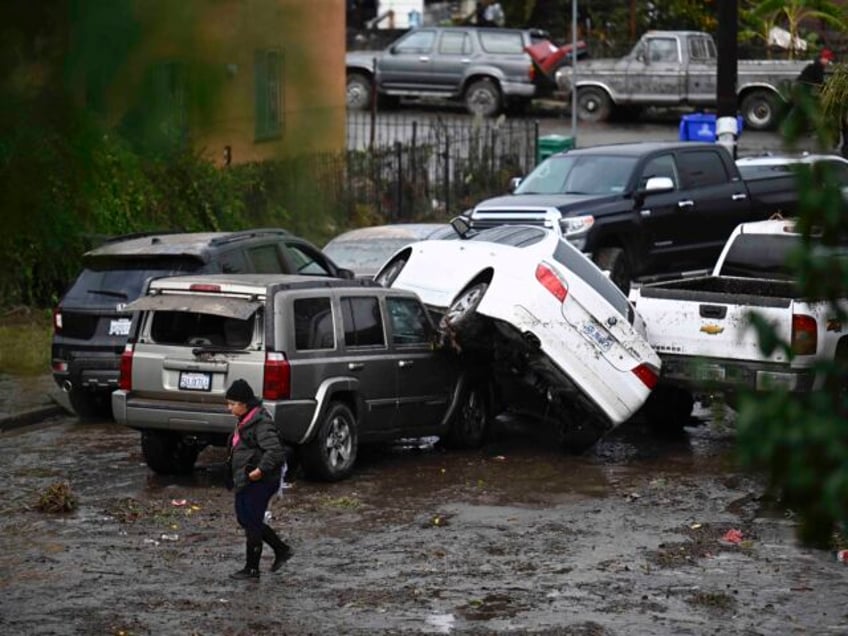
(801, 441)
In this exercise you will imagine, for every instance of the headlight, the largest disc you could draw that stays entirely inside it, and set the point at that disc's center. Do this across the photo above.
(576, 226)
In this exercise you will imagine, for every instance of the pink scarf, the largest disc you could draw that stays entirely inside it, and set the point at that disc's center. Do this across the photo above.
(241, 423)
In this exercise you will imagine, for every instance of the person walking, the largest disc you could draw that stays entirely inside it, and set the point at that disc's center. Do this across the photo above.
(256, 462)
(812, 75)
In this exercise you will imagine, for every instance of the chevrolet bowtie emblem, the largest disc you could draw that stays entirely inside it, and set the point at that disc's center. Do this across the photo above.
(712, 329)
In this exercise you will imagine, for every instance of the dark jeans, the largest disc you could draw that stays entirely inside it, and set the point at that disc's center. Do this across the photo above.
(251, 503)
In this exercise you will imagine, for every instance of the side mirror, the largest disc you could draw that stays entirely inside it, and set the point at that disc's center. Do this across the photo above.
(659, 184)
(461, 226)
(345, 273)
(513, 184)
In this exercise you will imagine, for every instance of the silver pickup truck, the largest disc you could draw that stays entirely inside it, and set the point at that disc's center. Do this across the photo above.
(487, 68)
(677, 68)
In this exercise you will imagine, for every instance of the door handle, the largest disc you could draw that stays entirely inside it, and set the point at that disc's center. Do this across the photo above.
(739, 196)
(688, 203)
(355, 366)
(424, 58)
(466, 60)
(405, 363)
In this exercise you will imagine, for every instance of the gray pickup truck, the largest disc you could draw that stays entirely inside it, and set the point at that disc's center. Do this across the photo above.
(677, 68)
(488, 69)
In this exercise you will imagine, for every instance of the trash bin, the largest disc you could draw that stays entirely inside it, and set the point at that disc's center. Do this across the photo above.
(702, 127)
(548, 145)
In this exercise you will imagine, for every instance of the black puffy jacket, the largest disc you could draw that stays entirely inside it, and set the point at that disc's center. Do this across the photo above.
(258, 447)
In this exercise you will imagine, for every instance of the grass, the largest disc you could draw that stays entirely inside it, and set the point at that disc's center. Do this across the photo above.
(25, 337)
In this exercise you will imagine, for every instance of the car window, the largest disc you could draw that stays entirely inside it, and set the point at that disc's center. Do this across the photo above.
(233, 262)
(416, 42)
(701, 49)
(662, 166)
(363, 323)
(200, 329)
(662, 50)
(409, 321)
(501, 42)
(517, 236)
(575, 261)
(455, 43)
(703, 168)
(266, 259)
(579, 174)
(313, 324)
(107, 282)
(307, 261)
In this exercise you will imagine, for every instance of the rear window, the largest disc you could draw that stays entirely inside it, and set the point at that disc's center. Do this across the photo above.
(574, 261)
(516, 236)
(200, 330)
(107, 282)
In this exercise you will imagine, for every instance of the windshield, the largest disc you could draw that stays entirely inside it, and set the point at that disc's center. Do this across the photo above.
(364, 257)
(579, 174)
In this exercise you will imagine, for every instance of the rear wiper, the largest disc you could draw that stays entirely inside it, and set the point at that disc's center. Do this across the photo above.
(108, 292)
(216, 349)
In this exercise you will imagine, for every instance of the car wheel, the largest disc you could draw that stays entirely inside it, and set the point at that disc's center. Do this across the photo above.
(331, 453)
(760, 110)
(578, 432)
(668, 409)
(483, 98)
(461, 311)
(167, 453)
(358, 91)
(471, 421)
(390, 272)
(593, 104)
(90, 405)
(614, 260)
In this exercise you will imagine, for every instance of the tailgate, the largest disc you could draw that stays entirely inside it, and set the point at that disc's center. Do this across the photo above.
(711, 329)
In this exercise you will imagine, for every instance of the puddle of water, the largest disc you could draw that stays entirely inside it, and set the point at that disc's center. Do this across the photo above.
(442, 623)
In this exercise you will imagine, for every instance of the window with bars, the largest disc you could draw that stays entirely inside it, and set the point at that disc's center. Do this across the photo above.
(268, 67)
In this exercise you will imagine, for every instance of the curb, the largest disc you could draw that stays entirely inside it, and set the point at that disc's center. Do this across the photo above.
(33, 416)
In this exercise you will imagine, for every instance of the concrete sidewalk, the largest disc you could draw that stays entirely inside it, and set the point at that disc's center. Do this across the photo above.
(28, 400)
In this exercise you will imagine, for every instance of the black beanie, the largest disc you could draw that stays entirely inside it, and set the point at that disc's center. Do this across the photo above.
(240, 391)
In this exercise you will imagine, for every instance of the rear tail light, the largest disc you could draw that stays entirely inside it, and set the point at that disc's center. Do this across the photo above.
(647, 374)
(531, 73)
(205, 287)
(805, 335)
(276, 384)
(551, 281)
(57, 320)
(125, 375)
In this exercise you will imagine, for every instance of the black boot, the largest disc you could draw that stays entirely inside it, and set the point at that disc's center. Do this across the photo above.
(251, 568)
(282, 552)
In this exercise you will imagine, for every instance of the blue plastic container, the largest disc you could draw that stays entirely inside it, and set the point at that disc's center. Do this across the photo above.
(702, 127)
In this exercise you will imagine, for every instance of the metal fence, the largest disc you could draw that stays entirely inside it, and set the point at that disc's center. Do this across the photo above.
(400, 168)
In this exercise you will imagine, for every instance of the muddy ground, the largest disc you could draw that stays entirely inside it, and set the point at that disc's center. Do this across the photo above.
(518, 538)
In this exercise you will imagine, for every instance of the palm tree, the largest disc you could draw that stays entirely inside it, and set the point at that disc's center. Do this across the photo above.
(794, 13)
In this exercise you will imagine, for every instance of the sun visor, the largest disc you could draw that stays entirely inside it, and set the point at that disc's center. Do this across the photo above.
(227, 307)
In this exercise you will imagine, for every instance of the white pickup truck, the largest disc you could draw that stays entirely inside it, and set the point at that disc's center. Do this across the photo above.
(702, 331)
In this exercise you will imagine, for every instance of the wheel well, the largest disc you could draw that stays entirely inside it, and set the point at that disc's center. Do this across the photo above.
(348, 398)
(475, 78)
(484, 276)
(359, 71)
(768, 90)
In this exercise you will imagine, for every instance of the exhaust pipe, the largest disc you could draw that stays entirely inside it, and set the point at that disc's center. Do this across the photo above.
(67, 386)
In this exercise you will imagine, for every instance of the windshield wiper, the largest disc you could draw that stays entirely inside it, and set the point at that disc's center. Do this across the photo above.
(108, 292)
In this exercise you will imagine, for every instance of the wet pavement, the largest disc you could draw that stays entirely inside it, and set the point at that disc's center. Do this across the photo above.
(29, 399)
(639, 536)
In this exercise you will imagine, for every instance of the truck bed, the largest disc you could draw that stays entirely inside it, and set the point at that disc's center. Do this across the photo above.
(725, 290)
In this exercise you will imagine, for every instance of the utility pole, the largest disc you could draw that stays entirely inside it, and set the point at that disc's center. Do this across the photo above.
(728, 26)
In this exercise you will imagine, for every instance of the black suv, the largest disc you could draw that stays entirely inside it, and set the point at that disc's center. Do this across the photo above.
(91, 324)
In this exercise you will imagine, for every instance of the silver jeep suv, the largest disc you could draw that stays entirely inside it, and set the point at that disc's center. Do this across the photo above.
(337, 363)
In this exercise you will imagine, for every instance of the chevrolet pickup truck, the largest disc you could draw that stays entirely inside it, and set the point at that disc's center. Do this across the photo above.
(701, 328)
(489, 69)
(673, 69)
(642, 209)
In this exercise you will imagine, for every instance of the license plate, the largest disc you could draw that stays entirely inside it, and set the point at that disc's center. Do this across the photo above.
(595, 335)
(120, 327)
(710, 372)
(193, 381)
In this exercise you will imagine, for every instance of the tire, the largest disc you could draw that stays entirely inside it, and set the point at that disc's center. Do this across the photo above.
(91, 405)
(167, 453)
(760, 110)
(668, 409)
(615, 261)
(470, 423)
(483, 98)
(461, 311)
(331, 453)
(593, 104)
(391, 272)
(577, 433)
(359, 89)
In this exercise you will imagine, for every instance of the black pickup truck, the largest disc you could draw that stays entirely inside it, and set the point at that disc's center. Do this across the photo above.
(642, 209)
